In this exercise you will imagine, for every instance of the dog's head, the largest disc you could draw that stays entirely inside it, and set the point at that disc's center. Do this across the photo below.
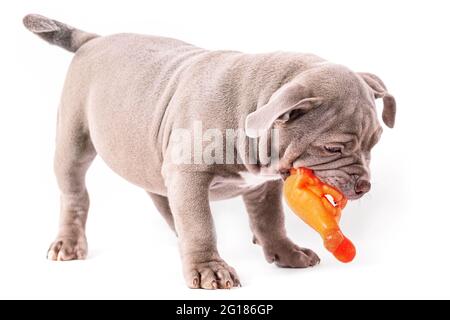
(327, 122)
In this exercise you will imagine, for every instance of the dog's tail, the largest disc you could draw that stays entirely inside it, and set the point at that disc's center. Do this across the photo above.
(56, 32)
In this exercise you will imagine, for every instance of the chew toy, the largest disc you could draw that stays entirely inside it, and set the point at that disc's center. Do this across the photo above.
(308, 197)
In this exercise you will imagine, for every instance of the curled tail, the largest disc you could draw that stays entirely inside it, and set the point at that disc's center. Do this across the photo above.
(56, 32)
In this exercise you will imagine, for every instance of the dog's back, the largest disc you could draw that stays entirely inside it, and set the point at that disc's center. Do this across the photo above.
(128, 91)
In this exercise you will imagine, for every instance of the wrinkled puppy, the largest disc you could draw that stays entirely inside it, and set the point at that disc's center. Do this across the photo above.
(127, 97)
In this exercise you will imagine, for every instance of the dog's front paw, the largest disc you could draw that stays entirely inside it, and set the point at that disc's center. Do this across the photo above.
(216, 274)
(286, 254)
(68, 248)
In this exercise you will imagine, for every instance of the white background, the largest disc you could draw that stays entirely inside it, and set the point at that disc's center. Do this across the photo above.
(401, 228)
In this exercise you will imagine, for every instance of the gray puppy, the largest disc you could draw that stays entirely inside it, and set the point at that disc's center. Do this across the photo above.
(126, 95)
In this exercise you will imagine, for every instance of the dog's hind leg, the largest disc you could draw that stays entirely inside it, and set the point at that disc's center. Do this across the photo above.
(162, 204)
(74, 154)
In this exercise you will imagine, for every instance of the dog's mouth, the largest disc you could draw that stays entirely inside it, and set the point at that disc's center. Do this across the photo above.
(345, 185)
(346, 190)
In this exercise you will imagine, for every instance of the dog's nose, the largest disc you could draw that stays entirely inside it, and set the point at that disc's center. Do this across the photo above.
(362, 186)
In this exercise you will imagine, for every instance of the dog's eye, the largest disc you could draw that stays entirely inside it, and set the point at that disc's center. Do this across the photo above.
(333, 149)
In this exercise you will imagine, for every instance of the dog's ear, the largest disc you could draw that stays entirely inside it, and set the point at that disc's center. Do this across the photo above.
(291, 97)
(380, 91)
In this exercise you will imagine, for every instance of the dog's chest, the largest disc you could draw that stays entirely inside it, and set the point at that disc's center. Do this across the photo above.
(250, 180)
(229, 187)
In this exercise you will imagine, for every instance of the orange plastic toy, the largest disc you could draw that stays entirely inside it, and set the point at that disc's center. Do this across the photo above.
(307, 197)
